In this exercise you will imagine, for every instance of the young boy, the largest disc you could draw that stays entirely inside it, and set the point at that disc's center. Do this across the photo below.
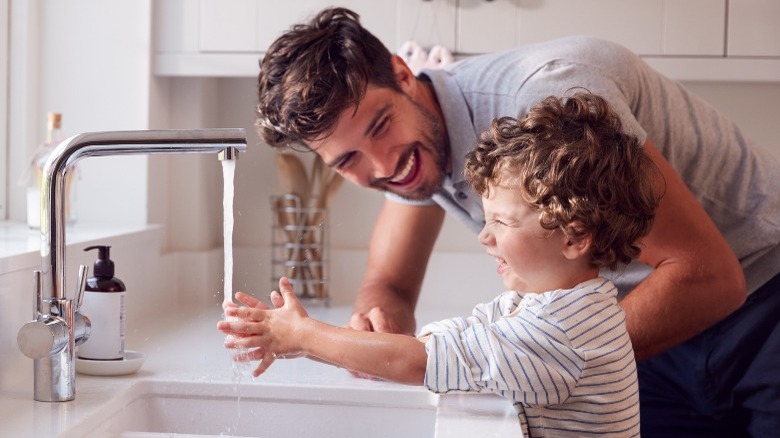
(565, 193)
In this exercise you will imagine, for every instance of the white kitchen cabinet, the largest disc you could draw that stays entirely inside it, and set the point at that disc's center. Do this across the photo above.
(272, 21)
(686, 39)
(754, 28)
(648, 27)
(227, 37)
(252, 25)
(429, 23)
(392, 21)
(228, 26)
(693, 28)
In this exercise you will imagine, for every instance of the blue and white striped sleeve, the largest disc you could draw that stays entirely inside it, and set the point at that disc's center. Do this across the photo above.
(525, 356)
(481, 314)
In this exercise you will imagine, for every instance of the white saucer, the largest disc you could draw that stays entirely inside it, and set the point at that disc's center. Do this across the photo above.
(130, 364)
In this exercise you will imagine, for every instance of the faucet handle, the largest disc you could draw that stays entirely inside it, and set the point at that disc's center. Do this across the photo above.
(80, 286)
(42, 337)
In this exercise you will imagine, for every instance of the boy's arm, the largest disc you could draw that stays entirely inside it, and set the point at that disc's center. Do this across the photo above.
(288, 331)
(394, 357)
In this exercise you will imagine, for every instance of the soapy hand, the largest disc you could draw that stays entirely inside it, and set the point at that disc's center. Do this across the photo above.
(263, 333)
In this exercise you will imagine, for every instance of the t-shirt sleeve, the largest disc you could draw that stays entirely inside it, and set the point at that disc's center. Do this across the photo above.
(525, 356)
(401, 200)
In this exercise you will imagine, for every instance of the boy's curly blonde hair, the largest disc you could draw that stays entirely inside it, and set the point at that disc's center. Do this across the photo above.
(574, 164)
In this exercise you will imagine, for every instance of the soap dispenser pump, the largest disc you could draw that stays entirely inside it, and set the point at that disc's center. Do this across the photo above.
(104, 306)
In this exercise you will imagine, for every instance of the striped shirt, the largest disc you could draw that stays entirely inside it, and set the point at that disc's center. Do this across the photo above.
(563, 357)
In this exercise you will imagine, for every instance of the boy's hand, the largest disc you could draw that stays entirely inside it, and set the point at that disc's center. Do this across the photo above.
(266, 333)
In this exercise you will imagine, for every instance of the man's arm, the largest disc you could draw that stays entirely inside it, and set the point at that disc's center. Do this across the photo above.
(401, 244)
(697, 279)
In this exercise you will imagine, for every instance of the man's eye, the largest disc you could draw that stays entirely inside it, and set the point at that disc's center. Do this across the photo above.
(381, 126)
(343, 163)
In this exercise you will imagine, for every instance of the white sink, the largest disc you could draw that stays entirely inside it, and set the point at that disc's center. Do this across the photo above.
(181, 409)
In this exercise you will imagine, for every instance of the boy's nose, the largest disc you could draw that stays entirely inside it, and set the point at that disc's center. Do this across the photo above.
(485, 237)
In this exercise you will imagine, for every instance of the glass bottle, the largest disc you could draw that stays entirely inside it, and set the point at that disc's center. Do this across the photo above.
(32, 175)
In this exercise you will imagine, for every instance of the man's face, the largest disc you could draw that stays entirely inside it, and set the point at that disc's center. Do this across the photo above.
(390, 143)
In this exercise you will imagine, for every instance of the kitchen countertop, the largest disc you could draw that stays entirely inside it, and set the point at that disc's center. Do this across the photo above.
(186, 347)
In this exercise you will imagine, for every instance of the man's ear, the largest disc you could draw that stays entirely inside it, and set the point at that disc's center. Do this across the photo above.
(403, 74)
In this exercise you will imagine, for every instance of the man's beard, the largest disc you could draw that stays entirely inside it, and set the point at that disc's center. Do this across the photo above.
(435, 143)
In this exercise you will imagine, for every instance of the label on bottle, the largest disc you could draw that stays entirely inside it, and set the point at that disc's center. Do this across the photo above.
(106, 313)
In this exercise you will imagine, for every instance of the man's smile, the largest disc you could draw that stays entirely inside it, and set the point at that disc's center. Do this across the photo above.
(408, 171)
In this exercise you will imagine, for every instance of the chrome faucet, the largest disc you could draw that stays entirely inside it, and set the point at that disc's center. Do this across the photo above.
(50, 339)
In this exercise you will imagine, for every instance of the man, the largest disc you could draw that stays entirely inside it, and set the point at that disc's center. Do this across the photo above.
(701, 307)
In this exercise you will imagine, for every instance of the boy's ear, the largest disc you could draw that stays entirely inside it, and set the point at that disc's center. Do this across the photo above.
(403, 74)
(577, 247)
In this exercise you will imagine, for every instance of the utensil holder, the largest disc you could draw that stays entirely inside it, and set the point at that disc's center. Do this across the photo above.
(299, 248)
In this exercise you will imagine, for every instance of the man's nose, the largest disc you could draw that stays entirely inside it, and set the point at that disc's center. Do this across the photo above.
(373, 171)
(383, 165)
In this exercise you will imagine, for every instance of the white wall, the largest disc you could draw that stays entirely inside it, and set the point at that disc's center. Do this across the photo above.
(95, 63)
(22, 98)
(755, 106)
(186, 190)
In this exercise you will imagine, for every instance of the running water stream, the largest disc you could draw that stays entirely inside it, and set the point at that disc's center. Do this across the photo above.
(228, 174)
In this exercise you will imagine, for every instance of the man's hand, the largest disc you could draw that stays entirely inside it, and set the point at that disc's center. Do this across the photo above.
(375, 320)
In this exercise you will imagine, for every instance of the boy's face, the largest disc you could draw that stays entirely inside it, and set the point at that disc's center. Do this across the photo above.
(530, 258)
(390, 143)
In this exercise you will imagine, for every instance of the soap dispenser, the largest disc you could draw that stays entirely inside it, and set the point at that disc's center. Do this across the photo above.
(104, 306)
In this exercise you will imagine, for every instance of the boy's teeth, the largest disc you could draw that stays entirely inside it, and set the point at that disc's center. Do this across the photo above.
(404, 173)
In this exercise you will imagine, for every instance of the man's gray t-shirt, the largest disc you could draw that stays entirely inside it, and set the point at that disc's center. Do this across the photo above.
(736, 182)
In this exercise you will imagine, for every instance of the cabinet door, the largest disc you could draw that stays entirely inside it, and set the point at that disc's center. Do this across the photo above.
(228, 26)
(274, 17)
(487, 26)
(694, 27)
(429, 23)
(754, 28)
(648, 27)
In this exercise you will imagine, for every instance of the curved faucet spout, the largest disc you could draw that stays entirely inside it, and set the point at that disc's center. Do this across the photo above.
(224, 142)
(57, 327)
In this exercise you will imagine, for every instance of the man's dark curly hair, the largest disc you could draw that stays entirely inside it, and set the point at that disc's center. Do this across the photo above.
(315, 71)
(573, 163)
